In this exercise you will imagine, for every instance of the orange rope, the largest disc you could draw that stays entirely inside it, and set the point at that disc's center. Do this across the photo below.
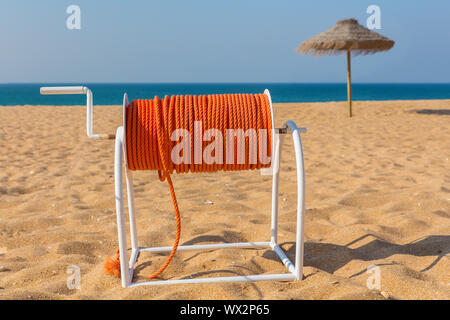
(150, 124)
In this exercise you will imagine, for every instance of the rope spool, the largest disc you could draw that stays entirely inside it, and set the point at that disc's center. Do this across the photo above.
(153, 129)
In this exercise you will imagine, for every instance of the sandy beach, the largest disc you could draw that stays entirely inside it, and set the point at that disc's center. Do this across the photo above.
(378, 193)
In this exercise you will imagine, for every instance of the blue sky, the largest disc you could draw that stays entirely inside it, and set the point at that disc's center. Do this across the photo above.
(215, 41)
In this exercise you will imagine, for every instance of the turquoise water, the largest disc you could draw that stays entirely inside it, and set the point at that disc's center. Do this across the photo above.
(112, 94)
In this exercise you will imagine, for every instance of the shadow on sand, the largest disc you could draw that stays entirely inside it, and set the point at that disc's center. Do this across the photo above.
(439, 112)
(331, 257)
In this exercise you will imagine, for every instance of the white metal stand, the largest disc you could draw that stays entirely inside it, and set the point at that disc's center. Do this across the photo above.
(127, 265)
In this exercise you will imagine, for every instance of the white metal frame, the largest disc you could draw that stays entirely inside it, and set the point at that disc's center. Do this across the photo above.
(127, 265)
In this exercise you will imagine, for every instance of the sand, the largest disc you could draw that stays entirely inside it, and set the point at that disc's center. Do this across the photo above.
(378, 193)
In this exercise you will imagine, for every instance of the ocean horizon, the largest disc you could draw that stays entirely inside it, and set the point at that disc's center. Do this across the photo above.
(112, 93)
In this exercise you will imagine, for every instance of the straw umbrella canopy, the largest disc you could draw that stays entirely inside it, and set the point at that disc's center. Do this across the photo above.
(350, 37)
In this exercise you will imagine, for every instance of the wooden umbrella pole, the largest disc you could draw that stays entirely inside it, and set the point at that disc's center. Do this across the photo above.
(349, 84)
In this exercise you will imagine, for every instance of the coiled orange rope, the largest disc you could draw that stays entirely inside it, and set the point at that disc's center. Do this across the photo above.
(149, 128)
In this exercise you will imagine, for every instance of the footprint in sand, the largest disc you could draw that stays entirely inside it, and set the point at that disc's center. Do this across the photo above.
(365, 201)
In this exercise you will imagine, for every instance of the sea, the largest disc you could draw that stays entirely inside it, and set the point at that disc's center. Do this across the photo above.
(112, 93)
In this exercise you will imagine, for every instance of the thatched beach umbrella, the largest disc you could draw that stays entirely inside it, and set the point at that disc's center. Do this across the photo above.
(346, 36)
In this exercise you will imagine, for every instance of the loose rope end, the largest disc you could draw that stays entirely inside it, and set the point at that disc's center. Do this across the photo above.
(112, 266)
